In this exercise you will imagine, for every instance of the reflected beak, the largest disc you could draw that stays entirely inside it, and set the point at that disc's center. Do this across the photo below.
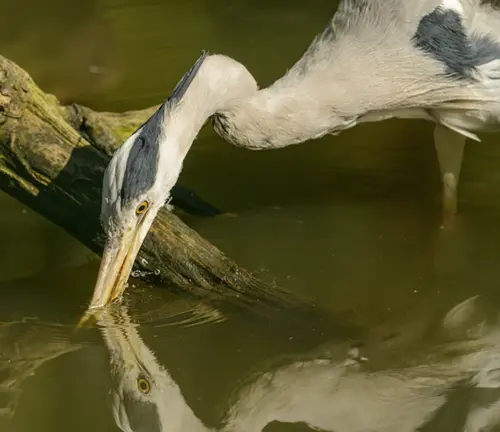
(117, 261)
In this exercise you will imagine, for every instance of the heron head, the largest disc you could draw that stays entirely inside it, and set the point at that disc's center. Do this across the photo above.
(142, 394)
(137, 183)
(138, 395)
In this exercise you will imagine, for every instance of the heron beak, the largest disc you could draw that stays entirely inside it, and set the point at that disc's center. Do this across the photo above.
(117, 261)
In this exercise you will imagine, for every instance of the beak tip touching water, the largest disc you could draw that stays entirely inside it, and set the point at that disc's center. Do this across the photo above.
(117, 260)
(87, 320)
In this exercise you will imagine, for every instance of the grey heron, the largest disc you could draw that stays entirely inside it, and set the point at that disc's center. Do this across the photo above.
(437, 60)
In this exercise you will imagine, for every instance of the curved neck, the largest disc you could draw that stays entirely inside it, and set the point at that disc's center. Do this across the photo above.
(218, 82)
(288, 112)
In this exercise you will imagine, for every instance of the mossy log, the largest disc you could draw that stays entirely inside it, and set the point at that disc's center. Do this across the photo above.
(52, 158)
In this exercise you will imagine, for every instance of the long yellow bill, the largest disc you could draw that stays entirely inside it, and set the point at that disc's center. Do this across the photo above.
(117, 261)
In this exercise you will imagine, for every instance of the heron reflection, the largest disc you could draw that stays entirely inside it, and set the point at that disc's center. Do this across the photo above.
(144, 397)
(349, 394)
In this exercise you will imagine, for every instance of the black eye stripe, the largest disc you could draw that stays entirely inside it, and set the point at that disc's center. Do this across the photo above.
(142, 163)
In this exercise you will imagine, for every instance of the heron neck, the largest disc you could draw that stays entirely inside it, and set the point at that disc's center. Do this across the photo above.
(288, 112)
(273, 118)
(219, 81)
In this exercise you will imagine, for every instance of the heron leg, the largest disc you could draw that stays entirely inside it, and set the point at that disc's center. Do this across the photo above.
(450, 149)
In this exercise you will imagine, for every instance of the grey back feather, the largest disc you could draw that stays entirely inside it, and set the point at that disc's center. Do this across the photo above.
(378, 59)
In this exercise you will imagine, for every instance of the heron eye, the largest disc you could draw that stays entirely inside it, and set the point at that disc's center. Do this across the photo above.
(142, 207)
(143, 385)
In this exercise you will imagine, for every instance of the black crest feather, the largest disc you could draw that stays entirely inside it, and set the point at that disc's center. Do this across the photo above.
(142, 163)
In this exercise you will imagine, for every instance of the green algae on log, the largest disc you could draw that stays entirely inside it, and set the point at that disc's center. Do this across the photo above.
(52, 158)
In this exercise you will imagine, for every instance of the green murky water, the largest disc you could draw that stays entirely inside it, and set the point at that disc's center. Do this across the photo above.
(417, 345)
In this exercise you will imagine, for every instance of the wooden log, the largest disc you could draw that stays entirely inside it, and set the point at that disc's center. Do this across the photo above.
(52, 158)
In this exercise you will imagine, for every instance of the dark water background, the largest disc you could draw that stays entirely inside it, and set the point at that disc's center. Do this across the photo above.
(322, 219)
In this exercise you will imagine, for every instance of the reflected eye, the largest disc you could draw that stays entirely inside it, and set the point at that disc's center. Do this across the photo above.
(143, 385)
(142, 207)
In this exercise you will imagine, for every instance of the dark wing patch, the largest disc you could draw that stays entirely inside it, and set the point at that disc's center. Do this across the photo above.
(485, 48)
(441, 34)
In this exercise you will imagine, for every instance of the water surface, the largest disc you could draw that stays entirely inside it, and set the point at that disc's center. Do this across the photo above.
(416, 345)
